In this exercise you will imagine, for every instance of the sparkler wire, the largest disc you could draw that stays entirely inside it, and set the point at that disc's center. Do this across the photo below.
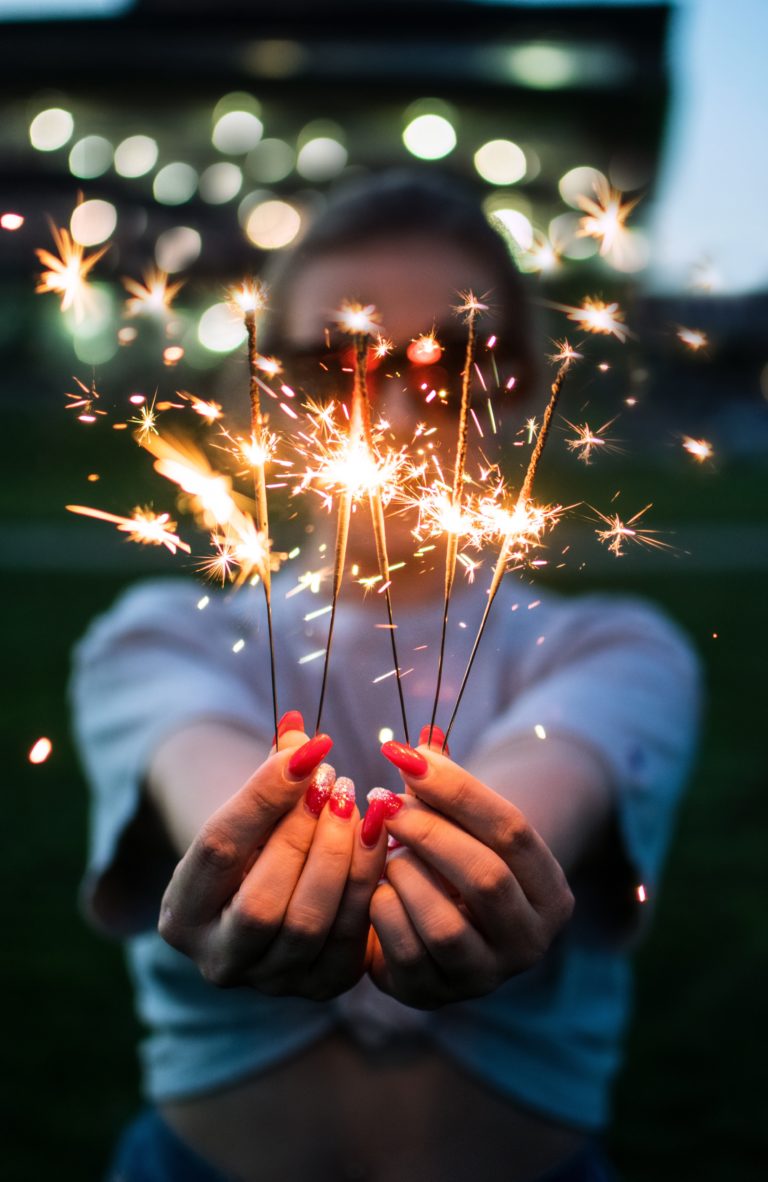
(452, 540)
(260, 490)
(523, 498)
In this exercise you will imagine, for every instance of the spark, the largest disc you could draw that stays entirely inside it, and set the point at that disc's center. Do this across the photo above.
(542, 256)
(382, 346)
(620, 533)
(40, 750)
(68, 271)
(357, 319)
(146, 420)
(208, 410)
(606, 215)
(587, 440)
(181, 462)
(154, 296)
(250, 296)
(470, 305)
(598, 317)
(144, 526)
(640, 893)
(532, 427)
(84, 401)
(693, 338)
(241, 551)
(700, 449)
(540, 731)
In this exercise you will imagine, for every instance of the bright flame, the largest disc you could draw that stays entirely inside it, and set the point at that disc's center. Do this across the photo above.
(67, 271)
(249, 296)
(154, 296)
(146, 527)
(357, 319)
(700, 449)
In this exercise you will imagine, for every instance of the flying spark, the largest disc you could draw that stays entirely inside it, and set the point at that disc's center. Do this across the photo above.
(144, 526)
(68, 271)
(154, 296)
(700, 449)
(620, 533)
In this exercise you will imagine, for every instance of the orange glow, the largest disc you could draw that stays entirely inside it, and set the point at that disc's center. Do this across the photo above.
(424, 350)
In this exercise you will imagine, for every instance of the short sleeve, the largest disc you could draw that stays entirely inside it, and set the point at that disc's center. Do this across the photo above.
(149, 666)
(618, 676)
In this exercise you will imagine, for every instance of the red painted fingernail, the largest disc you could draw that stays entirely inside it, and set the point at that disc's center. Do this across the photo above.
(391, 801)
(404, 757)
(307, 757)
(291, 721)
(320, 788)
(342, 802)
(373, 823)
(437, 739)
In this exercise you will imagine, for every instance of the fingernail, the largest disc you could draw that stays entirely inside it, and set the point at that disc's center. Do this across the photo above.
(342, 802)
(391, 801)
(307, 757)
(320, 788)
(437, 738)
(404, 757)
(291, 721)
(373, 823)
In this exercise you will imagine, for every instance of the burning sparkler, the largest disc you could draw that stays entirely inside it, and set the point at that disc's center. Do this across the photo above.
(606, 215)
(68, 271)
(470, 307)
(523, 526)
(144, 526)
(154, 296)
(596, 316)
(364, 473)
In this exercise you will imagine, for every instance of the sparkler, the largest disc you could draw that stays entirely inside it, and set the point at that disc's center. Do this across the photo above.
(523, 526)
(68, 271)
(154, 296)
(250, 298)
(151, 529)
(364, 473)
(605, 219)
(470, 307)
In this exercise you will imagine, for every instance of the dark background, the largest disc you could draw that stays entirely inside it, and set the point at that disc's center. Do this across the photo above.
(689, 1097)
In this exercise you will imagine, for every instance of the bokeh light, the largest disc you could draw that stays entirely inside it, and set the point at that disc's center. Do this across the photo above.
(563, 234)
(177, 248)
(501, 162)
(90, 157)
(321, 158)
(542, 66)
(270, 161)
(514, 226)
(580, 182)
(136, 156)
(273, 224)
(221, 329)
(51, 129)
(221, 182)
(430, 137)
(11, 221)
(40, 750)
(236, 132)
(93, 222)
(174, 184)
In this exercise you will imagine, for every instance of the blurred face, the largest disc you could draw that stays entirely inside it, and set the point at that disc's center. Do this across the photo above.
(414, 285)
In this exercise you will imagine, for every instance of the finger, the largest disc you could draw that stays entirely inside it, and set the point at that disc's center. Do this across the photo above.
(456, 947)
(487, 886)
(314, 904)
(482, 812)
(258, 910)
(213, 866)
(290, 730)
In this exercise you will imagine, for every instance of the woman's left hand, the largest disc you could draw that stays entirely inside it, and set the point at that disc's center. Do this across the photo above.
(473, 898)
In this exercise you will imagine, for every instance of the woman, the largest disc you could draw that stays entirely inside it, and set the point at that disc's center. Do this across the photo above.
(459, 1017)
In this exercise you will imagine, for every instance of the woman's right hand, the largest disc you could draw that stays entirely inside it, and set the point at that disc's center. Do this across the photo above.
(274, 891)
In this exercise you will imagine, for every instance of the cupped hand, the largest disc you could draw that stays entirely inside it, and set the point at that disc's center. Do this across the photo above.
(473, 898)
(274, 891)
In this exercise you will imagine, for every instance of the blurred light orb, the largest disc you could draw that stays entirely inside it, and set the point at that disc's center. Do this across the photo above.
(542, 66)
(632, 254)
(500, 162)
(136, 156)
(273, 224)
(93, 222)
(174, 184)
(221, 329)
(321, 158)
(236, 132)
(40, 750)
(11, 221)
(51, 129)
(425, 350)
(177, 248)
(236, 100)
(90, 157)
(563, 236)
(96, 350)
(580, 182)
(430, 137)
(270, 161)
(513, 224)
(221, 182)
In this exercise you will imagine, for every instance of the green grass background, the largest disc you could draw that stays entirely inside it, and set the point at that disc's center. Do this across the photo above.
(689, 1101)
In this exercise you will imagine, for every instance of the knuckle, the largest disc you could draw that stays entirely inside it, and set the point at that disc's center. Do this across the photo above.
(301, 930)
(450, 937)
(517, 836)
(251, 916)
(216, 851)
(490, 881)
(219, 972)
(563, 906)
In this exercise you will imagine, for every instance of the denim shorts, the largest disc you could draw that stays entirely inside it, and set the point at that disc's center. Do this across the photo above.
(149, 1151)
